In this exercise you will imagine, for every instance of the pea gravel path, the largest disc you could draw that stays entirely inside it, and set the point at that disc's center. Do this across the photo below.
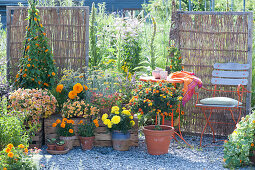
(105, 158)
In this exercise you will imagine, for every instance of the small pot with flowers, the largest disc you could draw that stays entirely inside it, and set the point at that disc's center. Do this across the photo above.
(119, 122)
(86, 133)
(65, 131)
(157, 100)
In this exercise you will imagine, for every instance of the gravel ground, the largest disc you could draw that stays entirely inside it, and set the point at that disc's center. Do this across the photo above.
(179, 157)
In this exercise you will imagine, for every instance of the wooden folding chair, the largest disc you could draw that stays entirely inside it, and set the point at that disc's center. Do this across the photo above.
(229, 74)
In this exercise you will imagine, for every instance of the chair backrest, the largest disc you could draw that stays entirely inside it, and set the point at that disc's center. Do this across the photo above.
(230, 74)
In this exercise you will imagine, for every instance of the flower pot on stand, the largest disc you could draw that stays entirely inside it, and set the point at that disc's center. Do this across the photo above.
(87, 143)
(51, 146)
(68, 141)
(158, 141)
(120, 141)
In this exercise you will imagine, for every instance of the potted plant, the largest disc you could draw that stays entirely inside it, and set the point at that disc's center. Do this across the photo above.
(65, 131)
(119, 122)
(51, 144)
(240, 146)
(60, 145)
(157, 101)
(86, 133)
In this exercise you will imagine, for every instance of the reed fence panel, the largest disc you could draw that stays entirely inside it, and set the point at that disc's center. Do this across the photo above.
(67, 29)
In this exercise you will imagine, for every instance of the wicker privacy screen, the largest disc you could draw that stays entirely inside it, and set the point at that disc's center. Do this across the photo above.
(67, 29)
(206, 38)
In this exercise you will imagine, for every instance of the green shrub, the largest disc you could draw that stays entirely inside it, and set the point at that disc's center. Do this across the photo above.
(11, 131)
(240, 143)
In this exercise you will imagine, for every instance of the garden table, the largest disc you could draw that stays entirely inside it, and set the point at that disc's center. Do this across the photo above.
(173, 81)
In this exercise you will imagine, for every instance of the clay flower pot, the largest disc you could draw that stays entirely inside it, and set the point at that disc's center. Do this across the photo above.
(87, 143)
(68, 141)
(120, 141)
(51, 146)
(158, 141)
(60, 147)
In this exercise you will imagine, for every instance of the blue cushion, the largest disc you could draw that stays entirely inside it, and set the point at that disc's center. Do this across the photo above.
(220, 101)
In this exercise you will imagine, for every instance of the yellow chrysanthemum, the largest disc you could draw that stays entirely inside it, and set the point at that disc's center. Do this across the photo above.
(59, 88)
(109, 125)
(115, 109)
(78, 88)
(21, 146)
(180, 98)
(104, 117)
(126, 112)
(132, 123)
(107, 121)
(131, 117)
(115, 119)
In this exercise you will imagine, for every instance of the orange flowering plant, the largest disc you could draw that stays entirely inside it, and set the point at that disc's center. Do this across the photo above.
(64, 127)
(86, 127)
(17, 157)
(156, 101)
(175, 60)
(78, 108)
(240, 144)
(36, 68)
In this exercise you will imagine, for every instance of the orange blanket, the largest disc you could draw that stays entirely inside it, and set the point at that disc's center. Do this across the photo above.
(190, 82)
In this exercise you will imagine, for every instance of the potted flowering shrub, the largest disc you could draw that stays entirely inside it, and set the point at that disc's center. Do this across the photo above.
(65, 131)
(78, 108)
(86, 133)
(239, 149)
(157, 100)
(119, 122)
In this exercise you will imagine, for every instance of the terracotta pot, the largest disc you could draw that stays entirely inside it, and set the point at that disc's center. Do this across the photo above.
(51, 146)
(68, 141)
(87, 143)
(60, 147)
(120, 141)
(158, 141)
(252, 158)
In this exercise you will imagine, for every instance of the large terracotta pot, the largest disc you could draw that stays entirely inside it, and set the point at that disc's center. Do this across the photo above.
(87, 143)
(158, 141)
(68, 141)
(120, 141)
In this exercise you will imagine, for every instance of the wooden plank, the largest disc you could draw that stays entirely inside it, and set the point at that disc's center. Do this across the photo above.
(230, 74)
(87, 37)
(249, 61)
(231, 66)
(8, 19)
(234, 82)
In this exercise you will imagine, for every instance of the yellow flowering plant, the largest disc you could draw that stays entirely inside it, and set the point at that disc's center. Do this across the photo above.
(118, 119)
(19, 157)
(240, 144)
(78, 108)
(158, 101)
(65, 127)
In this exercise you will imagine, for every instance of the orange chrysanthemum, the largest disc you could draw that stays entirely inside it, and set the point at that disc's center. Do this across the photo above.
(39, 82)
(21, 146)
(86, 88)
(27, 47)
(252, 144)
(46, 84)
(72, 94)
(37, 45)
(28, 65)
(59, 88)
(29, 59)
(10, 154)
(46, 50)
(44, 33)
(53, 73)
(78, 88)
(58, 121)
(10, 146)
(54, 124)
(26, 150)
(35, 19)
(63, 125)
(81, 121)
(70, 131)
(25, 75)
(7, 150)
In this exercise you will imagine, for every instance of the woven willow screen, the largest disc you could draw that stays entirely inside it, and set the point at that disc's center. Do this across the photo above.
(67, 29)
(205, 38)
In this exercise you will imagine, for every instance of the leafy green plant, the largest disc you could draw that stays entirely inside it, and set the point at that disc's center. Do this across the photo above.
(12, 131)
(51, 140)
(60, 142)
(37, 68)
(240, 144)
(118, 119)
(175, 60)
(86, 128)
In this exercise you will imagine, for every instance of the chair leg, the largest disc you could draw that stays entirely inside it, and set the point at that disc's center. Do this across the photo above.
(204, 128)
(240, 111)
(232, 115)
(211, 125)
